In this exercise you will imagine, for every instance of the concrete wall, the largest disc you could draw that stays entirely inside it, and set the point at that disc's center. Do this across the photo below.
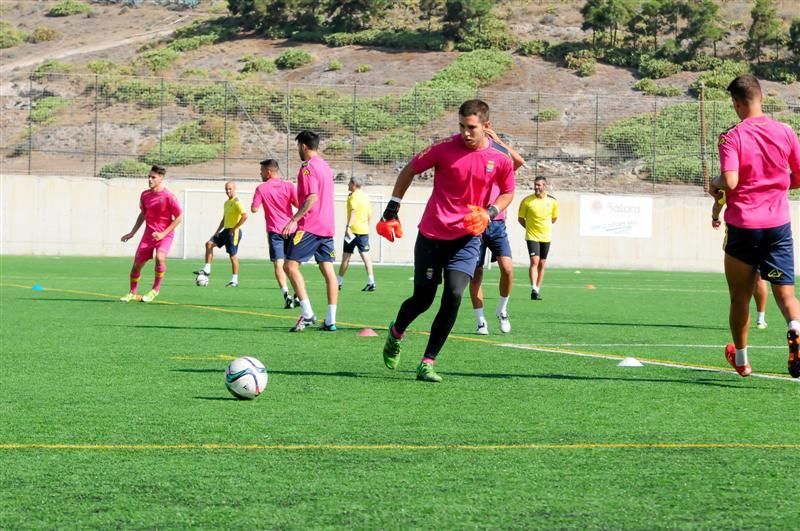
(87, 216)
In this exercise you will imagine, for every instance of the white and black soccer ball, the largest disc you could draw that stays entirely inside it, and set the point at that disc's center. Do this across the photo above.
(201, 279)
(246, 378)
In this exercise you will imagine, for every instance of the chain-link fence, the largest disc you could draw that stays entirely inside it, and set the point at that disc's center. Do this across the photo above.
(117, 126)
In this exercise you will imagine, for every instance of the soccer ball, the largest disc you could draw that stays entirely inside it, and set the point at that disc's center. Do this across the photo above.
(201, 280)
(246, 378)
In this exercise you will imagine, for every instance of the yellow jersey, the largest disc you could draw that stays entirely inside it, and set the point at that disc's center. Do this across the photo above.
(233, 211)
(539, 214)
(359, 203)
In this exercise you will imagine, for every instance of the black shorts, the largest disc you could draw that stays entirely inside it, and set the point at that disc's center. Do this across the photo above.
(360, 240)
(771, 251)
(540, 249)
(433, 257)
(223, 237)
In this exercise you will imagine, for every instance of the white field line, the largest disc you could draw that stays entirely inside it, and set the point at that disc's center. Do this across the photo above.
(673, 365)
(658, 345)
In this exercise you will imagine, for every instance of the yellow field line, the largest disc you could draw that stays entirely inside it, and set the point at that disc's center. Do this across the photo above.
(410, 447)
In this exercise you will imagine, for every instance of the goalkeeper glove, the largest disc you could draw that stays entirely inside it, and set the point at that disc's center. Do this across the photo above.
(389, 226)
(478, 219)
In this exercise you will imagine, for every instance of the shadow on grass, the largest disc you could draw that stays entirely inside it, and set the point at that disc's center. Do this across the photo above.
(690, 381)
(226, 398)
(335, 374)
(199, 328)
(648, 325)
(62, 299)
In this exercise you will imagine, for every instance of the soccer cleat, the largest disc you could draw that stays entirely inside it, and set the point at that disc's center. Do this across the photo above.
(325, 327)
(730, 355)
(794, 353)
(368, 287)
(505, 323)
(425, 373)
(296, 301)
(232, 284)
(302, 323)
(482, 329)
(535, 295)
(761, 325)
(391, 349)
(340, 287)
(288, 303)
(202, 272)
(150, 296)
(130, 297)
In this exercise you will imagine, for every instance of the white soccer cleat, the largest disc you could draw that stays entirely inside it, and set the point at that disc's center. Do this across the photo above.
(761, 325)
(482, 329)
(505, 323)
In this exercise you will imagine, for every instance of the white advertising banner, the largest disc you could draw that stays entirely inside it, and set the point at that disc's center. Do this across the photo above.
(616, 216)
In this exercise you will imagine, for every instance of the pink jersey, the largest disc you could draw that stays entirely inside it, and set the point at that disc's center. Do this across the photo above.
(159, 209)
(763, 151)
(277, 197)
(462, 177)
(316, 177)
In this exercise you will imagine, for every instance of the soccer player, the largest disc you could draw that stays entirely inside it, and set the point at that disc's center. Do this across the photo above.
(759, 161)
(760, 289)
(160, 212)
(495, 239)
(313, 229)
(356, 233)
(465, 167)
(228, 234)
(277, 197)
(537, 213)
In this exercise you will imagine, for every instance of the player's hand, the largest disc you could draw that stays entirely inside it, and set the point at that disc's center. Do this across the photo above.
(714, 192)
(289, 229)
(715, 223)
(349, 234)
(390, 229)
(491, 134)
(158, 236)
(476, 221)
(126, 237)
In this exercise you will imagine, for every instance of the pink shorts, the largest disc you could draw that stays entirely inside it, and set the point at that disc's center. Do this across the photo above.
(148, 245)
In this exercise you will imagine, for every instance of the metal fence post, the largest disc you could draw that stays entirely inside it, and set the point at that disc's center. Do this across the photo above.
(288, 123)
(655, 133)
(596, 135)
(416, 120)
(161, 133)
(225, 133)
(30, 121)
(714, 127)
(536, 135)
(355, 125)
(703, 147)
(96, 118)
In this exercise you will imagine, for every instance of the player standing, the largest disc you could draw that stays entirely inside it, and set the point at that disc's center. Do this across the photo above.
(537, 213)
(496, 240)
(160, 212)
(313, 229)
(465, 166)
(356, 232)
(759, 162)
(277, 197)
(228, 234)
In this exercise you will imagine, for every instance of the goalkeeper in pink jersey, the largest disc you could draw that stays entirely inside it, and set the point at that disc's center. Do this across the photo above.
(160, 212)
(759, 161)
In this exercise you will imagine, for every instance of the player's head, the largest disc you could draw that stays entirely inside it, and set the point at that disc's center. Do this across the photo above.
(230, 189)
(156, 176)
(540, 185)
(745, 90)
(355, 183)
(269, 169)
(473, 119)
(307, 144)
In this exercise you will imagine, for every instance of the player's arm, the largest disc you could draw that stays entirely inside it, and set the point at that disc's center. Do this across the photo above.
(350, 222)
(389, 226)
(727, 180)
(522, 222)
(794, 160)
(242, 219)
(715, 210)
(158, 236)
(516, 157)
(139, 221)
(291, 227)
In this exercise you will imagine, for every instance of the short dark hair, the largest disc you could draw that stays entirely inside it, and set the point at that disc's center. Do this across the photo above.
(540, 178)
(270, 164)
(745, 88)
(159, 169)
(477, 108)
(310, 139)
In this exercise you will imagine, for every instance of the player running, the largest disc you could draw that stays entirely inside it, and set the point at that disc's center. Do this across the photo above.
(465, 166)
(228, 234)
(277, 197)
(759, 161)
(537, 214)
(356, 233)
(313, 228)
(160, 212)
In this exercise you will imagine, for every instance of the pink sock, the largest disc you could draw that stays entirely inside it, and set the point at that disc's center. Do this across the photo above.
(135, 276)
(396, 334)
(426, 359)
(160, 270)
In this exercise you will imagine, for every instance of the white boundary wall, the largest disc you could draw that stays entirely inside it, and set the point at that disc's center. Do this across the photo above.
(84, 216)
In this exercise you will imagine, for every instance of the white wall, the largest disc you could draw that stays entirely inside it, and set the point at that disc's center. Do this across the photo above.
(87, 216)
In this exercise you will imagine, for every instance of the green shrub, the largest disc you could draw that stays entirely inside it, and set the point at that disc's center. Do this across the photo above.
(702, 63)
(181, 154)
(622, 57)
(646, 85)
(184, 44)
(533, 47)
(657, 68)
(337, 145)
(66, 8)
(193, 142)
(257, 64)
(9, 36)
(492, 34)
(391, 148)
(43, 34)
(334, 65)
(363, 68)
(101, 66)
(195, 72)
(291, 59)
(717, 80)
(403, 39)
(670, 91)
(774, 104)
(49, 67)
(782, 72)
(548, 114)
(125, 168)
(158, 60)
(133, 90)
(44, 109)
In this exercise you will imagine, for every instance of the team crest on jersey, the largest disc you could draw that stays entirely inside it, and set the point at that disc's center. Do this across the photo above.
(775, 274)
(306, 172)
(721, 140)
(489, 166)
(429, 273)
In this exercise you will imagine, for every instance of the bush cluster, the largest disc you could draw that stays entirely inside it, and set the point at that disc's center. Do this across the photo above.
(44, 109)
(405, 39)
(43, 34)
(257, 64)
(533, 47)
(391, 148)
(193, 142)
(718, 79)
(582, 61)
(9, 36)
(291, 59)
(66, 8)
(158, 60)
(49, 67)
(657, 68)
(125, 168)
(547, 114)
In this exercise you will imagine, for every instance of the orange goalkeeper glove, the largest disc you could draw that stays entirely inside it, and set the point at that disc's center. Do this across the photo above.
(476, 221)
(389, 226)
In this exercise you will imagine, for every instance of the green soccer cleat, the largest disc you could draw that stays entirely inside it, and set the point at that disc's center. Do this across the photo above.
(150, 296)
(391, 350)
(425, 373)
(130, 297)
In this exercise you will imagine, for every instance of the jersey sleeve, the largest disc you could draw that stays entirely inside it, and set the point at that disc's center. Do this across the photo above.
(505, 178)
(426, 159)
(794, 152)
(141, 203)
(523, 208)
(257, 200)
(292, 194)
(728, 152)
(554, 213)
(310, 181)
(174, 206)
(239, 208)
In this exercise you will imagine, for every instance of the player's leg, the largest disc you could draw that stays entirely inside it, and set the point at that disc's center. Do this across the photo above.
(215, 241)
(343, 268)
(476, 296)
(368, 266)
(740, 277)
(332, 287)
(544, 251)
(160, 270)
(135, 276)
(760, 294)
(506, 266)
(232, 247)
(234, 271)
